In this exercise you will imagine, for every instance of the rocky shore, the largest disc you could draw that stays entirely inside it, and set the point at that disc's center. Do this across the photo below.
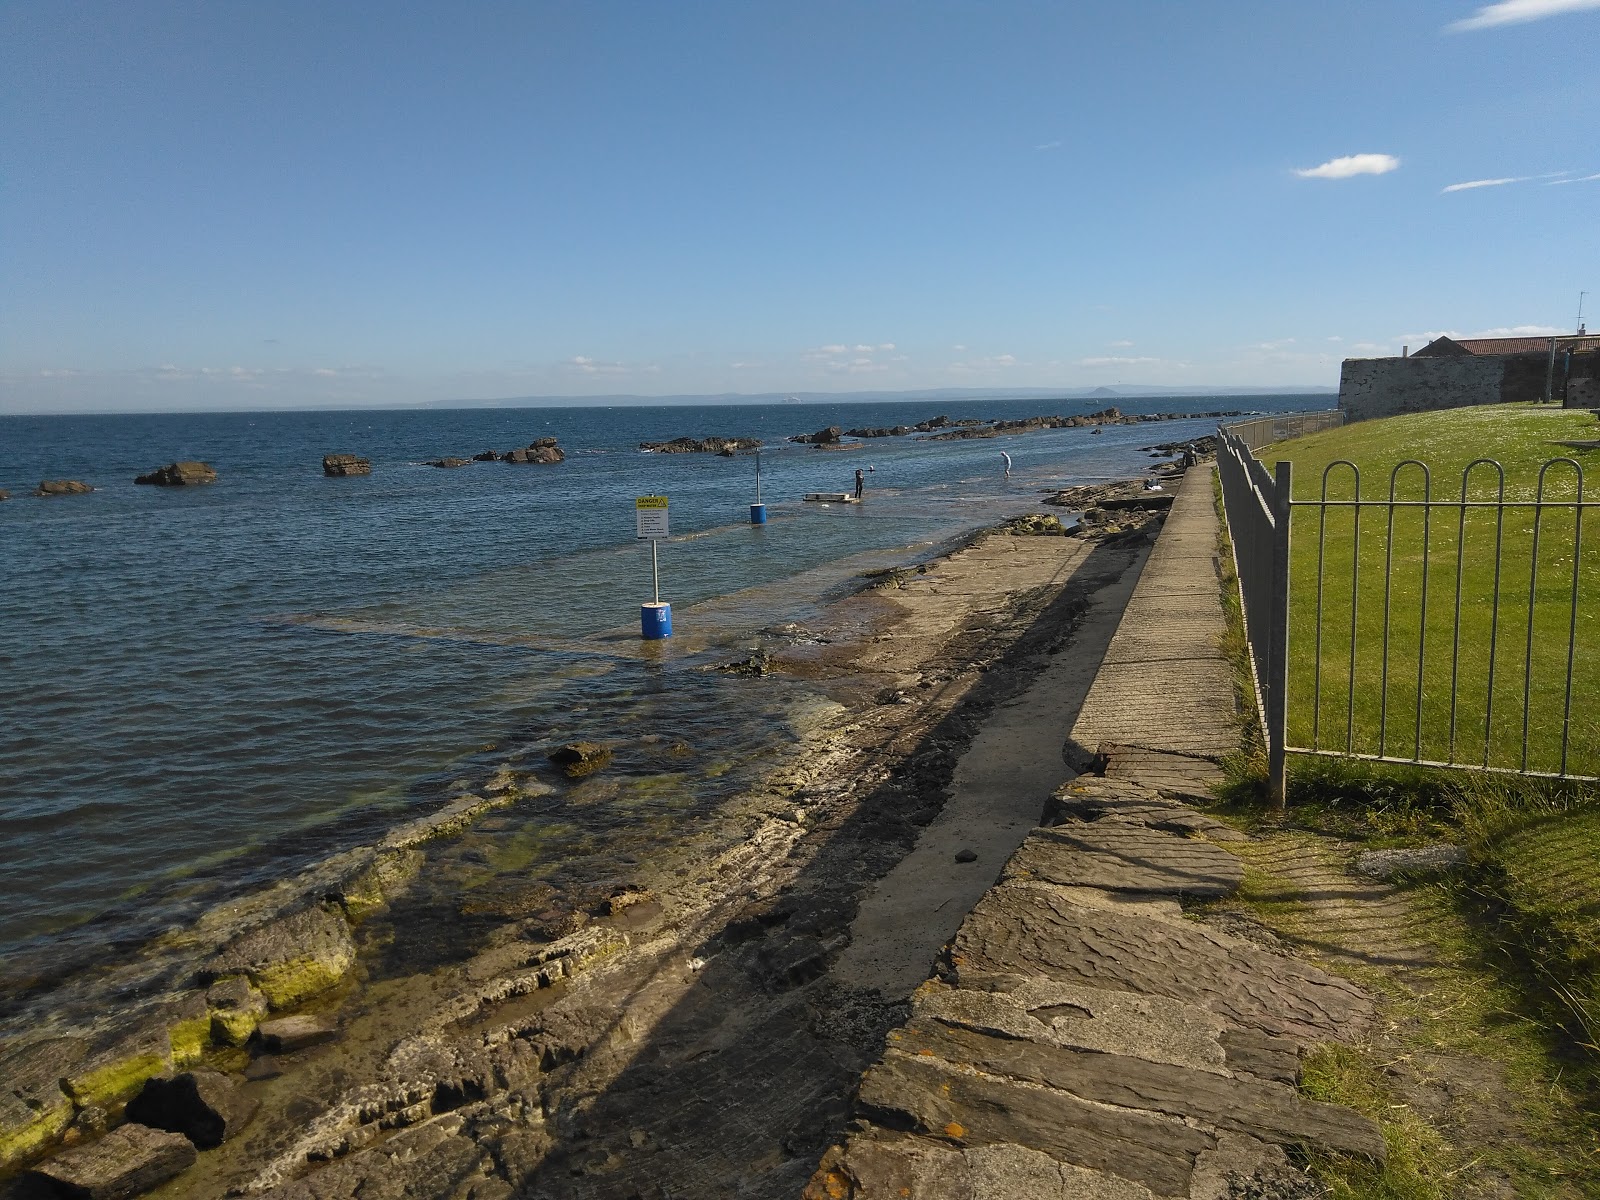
(570, 1050)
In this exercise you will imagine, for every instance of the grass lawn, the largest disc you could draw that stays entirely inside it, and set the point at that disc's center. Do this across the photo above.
(1471, 674)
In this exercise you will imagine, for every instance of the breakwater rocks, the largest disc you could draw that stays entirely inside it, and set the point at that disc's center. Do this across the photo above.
(1086, 1035)
(541, 451)
(179, 474)
(1106, 416)
(62, 487)
(338, 465)
(725, 446)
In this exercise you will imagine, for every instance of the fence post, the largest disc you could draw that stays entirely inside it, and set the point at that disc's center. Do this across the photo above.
(1277, 681)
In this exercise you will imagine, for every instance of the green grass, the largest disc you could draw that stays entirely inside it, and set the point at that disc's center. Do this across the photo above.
(1357, 592)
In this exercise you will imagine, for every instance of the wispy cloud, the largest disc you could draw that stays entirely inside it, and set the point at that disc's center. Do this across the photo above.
(991, 362)
(1120, 345)
(583, 365)
(1579, 179)
(1482, 183)
(1048, 146)
(1515, 12)
(1351, 165)
(1500, 331)
(1115, 361)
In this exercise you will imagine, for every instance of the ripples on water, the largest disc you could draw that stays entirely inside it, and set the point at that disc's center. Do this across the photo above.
(203, 685)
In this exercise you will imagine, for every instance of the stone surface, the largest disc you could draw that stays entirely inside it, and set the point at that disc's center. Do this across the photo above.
(345, 464)
(207, 1107)
(290, 958)
(62, 487)
(1126, 856)
(288, 1034)
(888, 1166)
(1390, 864)
(1041, 930)
(542, 451)
(450, 460)
(180, 474)
(236, 1009)
(128, 1161)
(113, 1071)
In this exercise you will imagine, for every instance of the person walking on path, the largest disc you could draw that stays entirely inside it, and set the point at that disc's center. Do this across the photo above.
(1007, 457)
(861, 482)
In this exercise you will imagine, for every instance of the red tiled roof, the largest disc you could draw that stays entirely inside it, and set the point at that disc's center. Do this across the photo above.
(1527, 345)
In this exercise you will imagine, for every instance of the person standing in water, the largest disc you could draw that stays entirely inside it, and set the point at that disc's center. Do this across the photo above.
(1007, 457)
(861, 482)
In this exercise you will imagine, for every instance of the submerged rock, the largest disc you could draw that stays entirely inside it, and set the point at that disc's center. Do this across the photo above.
(725, 446)
(1035, 525)
(486, 456)
(288, 1034)
(62, 487)
(4, 495)
(581, 758)
(345, 464)
(180, 474)
(449, 461)
(207, 1107)
(127, 1161)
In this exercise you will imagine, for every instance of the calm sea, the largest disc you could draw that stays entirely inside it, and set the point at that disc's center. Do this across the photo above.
(200, 685)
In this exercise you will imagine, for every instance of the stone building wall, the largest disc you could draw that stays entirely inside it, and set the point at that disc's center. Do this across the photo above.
(1386, 387)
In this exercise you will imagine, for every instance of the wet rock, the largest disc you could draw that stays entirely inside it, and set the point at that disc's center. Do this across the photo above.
(821, 437)
(581, 758)
(236, 1009)
(336, 465)
(725, 446)
(62, 487)
(449, 461)
(117, 1070)
(207, 1107)
(4, 495)
(542, 451)
(626, 897)
(128, 1161)
(34, 1111)
(291, 958)
(372, 886)
(1419, 860)
(180, 474)
(288, 1034)
(1035, 525)
(755, 666)
(486, 456)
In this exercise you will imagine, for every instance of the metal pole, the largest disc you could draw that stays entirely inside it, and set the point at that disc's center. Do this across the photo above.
(758, 474)
(1550, 375)
(1277, 683)
(655, 570)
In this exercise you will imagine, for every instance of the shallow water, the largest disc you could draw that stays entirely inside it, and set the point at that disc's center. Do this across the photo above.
(202, 686)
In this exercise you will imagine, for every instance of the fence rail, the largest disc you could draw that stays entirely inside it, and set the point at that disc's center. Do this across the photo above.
(1444, 629)
(1263, 431)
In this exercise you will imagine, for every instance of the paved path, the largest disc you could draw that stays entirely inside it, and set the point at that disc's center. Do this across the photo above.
(1085, 1038)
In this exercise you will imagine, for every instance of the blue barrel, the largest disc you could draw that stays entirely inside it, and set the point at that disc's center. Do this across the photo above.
(655, 620)
(758, 514)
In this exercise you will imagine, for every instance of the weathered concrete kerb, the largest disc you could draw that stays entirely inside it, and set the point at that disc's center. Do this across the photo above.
(1084, 1036)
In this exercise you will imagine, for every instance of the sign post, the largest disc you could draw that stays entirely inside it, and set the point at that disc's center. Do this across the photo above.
(650, 515)
(758, 510)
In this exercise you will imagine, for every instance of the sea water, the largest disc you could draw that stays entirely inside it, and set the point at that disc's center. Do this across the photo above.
(201, 687)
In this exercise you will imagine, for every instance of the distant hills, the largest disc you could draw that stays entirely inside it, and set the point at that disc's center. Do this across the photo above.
(1125, 391)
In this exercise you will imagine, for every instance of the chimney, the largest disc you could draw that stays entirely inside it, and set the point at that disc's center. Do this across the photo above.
(1405, 351)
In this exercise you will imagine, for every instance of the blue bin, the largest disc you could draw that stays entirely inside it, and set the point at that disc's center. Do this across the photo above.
(655, 620)
(758, 514)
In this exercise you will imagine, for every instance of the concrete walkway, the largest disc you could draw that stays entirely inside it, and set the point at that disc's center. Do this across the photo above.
(1085, 1036)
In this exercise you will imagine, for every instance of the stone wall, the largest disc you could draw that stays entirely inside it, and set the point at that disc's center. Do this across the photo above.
(1386, 387)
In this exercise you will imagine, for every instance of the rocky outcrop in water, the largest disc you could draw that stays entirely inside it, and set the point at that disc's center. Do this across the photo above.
(180, 474)
(449, 461)
(578, 759)
(821, 437)
(542, 451)
(486, 456)
(1092, 421)
(62, 487)
(4, 495)
(335, 465)
(725, 446)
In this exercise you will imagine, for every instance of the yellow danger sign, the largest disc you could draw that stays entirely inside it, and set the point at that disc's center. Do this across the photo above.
(650, 512)
(650, 502)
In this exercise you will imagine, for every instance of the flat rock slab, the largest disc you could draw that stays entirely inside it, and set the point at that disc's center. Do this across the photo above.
(1126, 856)
(891, 1165)
(1264, 1109)
(290, 958)
(1040, 930)
(207, 1107)
(129, 1160)
(288, 1034)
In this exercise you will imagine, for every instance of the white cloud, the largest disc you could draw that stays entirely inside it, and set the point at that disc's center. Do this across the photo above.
(1579, 179)
(1482, 183)
(992, 362)
(1114, 361)
(1500, 331)
(834, 349)
(1122, 345)
(1047, 145)
(1351, 165)
(1514, 12)
(1335, 338)
(583, 365)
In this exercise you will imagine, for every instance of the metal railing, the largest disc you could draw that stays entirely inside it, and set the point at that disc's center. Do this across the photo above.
(1437, 631)
(1263, 431)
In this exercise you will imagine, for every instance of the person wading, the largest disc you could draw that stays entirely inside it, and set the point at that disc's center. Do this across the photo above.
(861, 482)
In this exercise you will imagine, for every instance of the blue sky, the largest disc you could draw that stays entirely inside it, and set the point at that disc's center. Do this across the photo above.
(218, 205)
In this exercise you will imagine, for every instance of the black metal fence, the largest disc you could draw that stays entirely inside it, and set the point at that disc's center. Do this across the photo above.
(1440, 628)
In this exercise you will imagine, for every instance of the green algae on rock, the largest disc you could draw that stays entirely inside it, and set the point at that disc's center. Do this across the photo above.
(289, 959)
